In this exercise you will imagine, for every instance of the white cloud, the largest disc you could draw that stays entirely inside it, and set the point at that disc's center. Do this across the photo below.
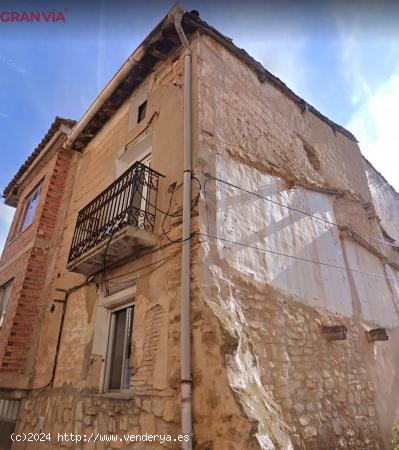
(369, 54)
(6, 216)
(352, 68)
(375, 124)
(280, 57)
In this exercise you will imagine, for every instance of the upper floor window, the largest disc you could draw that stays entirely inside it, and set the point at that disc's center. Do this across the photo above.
(5, 291)
(29, 208)
(141, 111)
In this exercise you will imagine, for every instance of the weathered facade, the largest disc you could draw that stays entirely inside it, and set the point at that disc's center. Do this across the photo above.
(294, 261)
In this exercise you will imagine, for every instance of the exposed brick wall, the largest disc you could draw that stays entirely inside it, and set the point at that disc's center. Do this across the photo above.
(142, 380)
(26, 259)
(15, 271)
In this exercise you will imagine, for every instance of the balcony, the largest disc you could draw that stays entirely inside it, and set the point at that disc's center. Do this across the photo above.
(119, 222)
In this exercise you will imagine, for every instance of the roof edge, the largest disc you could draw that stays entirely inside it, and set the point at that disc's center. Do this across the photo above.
(159, 43)
(263, 73)
(37, 152)
(380, 174)
(155, 47)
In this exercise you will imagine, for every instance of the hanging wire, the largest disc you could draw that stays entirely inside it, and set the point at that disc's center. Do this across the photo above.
(143, 275)
(166, 214)
(299, 258)
(340, 227)
(160, 260)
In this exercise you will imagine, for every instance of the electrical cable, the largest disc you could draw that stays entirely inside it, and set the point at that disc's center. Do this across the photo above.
(340, 227)
(169, 257)
(167, 214)
(104, 259)
(299, 258)
(162, 247)
(165, 233)
(144, 274)
(143, 267)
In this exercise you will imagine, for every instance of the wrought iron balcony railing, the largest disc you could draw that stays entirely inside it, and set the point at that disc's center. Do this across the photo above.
(129, 200)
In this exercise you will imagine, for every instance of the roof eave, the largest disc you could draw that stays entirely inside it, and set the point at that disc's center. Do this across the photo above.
(158, 44)
(60, 126)
(263, 74)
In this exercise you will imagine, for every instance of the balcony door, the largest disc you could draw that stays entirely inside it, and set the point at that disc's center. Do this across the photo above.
(140, 195)
(138, 150)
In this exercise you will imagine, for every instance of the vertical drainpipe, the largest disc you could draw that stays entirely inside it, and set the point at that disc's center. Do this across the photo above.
(186, 414)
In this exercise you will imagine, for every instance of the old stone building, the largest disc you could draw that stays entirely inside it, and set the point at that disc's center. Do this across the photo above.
(293, 284)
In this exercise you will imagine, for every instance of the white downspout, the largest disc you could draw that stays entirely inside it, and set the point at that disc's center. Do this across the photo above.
(186, 382)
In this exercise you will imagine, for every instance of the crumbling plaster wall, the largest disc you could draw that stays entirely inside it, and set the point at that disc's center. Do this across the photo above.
(299, 388)
(97, 168)
(385, 200)
(73, 404)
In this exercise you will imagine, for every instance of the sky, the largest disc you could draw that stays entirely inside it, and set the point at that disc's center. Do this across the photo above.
(341, 57)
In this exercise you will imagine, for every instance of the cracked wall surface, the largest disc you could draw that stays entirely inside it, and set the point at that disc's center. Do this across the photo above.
(263, 376)
(270, 291)
(385, 200)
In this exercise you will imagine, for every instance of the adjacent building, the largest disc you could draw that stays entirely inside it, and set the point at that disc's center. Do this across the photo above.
(294, 266)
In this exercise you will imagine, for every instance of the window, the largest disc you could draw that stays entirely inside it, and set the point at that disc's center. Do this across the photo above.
(141, 111)
(5, 291)
(30, 206)
(138, 150)
(119, 365)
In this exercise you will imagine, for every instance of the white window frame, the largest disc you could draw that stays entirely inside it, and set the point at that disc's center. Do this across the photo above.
(27, 203)
(139, 150)
(5, 293)
(116, 302)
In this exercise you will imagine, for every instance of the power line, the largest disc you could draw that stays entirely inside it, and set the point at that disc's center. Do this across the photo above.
(306, 213)
(144, 274)
(165, 233)
(167, 214)
(265, 250)
(166, 258)
(162, 261)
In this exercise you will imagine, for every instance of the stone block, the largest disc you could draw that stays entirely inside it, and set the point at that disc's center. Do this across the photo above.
(304, 420)
(79, 410)
(170, 413)
(147, 423)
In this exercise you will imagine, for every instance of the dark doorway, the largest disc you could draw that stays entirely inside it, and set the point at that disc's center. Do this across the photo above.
(6, 429)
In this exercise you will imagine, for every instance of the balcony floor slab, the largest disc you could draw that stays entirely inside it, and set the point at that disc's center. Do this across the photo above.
(124, 244)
